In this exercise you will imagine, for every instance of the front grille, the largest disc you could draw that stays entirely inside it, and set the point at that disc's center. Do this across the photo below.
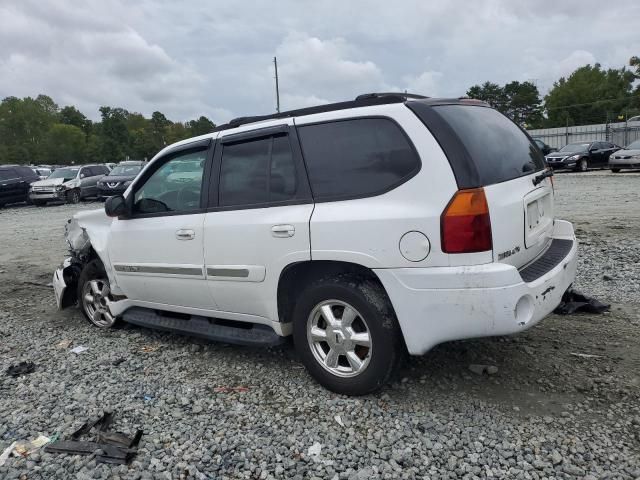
(556, 252)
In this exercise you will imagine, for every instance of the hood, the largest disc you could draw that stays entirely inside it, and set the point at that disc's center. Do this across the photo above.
(626, 153)
(565, 154)
(117, 178)
(49, 182)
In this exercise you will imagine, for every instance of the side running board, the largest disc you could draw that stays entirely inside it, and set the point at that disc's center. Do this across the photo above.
(204, 327)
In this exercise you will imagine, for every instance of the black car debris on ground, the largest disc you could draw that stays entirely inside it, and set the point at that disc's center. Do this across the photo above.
(581, 156)
(117, 181)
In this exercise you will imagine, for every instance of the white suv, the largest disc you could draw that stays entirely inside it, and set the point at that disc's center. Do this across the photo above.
(364, 229)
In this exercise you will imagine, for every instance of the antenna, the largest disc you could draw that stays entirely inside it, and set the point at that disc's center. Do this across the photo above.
(275, 64)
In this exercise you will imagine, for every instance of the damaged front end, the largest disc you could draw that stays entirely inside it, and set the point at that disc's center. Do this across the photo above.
(65, 278)
(86, 235)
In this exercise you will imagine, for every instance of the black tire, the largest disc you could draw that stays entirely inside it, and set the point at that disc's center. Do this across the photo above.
(582, 165)
(73, 196)
(93, 271)
(370, 300)
(615, 170)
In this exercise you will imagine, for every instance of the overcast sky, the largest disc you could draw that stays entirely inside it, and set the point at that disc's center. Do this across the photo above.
(191, 58)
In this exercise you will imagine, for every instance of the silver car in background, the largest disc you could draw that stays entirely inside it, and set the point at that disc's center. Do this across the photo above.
(68, 184)
(627, 158)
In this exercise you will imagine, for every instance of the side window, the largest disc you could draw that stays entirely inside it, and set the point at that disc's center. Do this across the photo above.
(8, 174)
(355, 158)
(174, 187)
(84, 171)
(257, 172)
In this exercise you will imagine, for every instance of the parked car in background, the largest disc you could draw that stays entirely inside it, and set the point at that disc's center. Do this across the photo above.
(118, 179)
(70, 184)
(581, 156)
(544, 148)
(42, 172)
(364, 229)
(110, 165)
(626, 158)
(15, 181)
(634, 119)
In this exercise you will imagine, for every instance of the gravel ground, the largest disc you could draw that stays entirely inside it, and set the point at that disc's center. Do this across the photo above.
(545, 414)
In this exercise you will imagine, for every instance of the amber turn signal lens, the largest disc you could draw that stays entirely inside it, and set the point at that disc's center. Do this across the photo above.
(465, 223)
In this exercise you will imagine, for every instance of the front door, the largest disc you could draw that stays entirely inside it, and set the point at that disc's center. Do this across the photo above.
(258, 221)
(157, 253)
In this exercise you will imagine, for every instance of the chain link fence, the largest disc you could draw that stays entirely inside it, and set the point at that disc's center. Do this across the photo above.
(621, 134)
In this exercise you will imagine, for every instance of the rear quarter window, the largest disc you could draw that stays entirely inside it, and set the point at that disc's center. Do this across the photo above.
(499, 149)
(357, 157)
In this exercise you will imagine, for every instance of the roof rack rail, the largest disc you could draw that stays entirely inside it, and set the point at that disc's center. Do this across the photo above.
(365, 100)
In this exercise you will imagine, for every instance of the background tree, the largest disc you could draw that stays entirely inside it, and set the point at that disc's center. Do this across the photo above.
(519, 101)
(589, 95)
(65, 144)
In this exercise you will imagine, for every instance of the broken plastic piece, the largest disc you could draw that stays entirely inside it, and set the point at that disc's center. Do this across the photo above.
(21, 368)
(78, 350)
(574, 301)
(27, 448)
(109, 447)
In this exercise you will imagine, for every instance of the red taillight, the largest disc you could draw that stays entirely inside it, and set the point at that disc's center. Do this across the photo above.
(465, 223)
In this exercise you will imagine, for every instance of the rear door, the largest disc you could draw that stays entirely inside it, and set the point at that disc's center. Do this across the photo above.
(488, 150)
(258, 219)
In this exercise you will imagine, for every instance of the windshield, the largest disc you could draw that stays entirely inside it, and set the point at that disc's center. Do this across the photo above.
(66, 173)
(634, 145)
(126, 170)
(574, 147)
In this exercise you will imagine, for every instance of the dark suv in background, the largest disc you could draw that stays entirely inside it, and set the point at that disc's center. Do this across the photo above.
(15, 181)
(118, 179)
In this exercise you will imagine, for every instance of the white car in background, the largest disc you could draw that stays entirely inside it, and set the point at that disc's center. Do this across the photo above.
(627, 158)
(364, 229)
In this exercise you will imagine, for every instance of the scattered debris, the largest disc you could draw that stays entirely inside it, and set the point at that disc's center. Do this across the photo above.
(64, 344)
(339, 420)
(149, 348)
(315, 450)
(6, 453)
(585, 355)
(27, 448)
(21, 368)
(573, 301)
(109, 447)
(481, 369)
(79, 349)
(118, 361)
(147, 398)
(230, 389)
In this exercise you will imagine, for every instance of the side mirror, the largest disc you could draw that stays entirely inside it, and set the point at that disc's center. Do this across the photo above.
(115, 206)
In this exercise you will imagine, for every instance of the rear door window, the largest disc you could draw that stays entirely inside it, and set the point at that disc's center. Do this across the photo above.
(498, 147)
(257, 172)
(8, 174)
(356, 158)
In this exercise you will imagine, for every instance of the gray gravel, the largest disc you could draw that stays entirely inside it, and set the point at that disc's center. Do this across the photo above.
(543, 414)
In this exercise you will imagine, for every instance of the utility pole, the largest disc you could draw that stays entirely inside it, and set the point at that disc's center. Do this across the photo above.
(275, 64)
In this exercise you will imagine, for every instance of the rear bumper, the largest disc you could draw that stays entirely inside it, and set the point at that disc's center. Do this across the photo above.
(435, 305)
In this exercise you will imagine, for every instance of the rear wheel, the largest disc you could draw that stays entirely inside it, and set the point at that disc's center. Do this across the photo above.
(582, 165)
(615, 170)
(347, 335)
(73, 196)
(94, 295)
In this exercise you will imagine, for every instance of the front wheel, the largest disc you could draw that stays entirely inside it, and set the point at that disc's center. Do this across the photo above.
(347, 335)
(94, 295)
(582, 165)
(73, 196)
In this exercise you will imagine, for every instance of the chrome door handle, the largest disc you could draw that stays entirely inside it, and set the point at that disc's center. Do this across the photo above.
(185, 234)
(283, 231)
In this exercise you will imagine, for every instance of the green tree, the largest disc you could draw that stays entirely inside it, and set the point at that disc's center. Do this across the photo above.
(520, 101)
(489, 92)
(589, 95)
(113, 134)
(65, 144)
(200, 126)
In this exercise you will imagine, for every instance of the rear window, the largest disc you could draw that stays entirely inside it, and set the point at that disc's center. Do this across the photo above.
(356, 158)
(496, 145)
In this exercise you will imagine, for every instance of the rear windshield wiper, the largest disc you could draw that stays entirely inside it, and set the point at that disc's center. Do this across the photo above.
(539, 178)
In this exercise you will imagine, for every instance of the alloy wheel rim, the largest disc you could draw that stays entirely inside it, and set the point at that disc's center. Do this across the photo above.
(339, 338)
(95, 301)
